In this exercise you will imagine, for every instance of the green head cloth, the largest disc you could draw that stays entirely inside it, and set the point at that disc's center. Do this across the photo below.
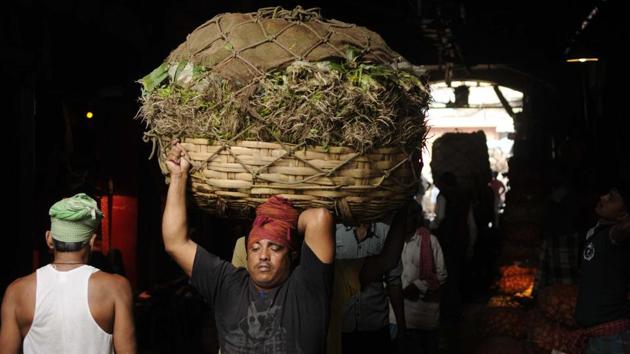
(74, 219)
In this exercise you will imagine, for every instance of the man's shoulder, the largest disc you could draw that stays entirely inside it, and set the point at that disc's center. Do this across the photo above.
(113, 283)
(22, 286)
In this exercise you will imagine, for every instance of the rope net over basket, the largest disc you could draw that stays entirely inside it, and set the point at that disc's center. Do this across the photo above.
(463, 154)
(286, 102)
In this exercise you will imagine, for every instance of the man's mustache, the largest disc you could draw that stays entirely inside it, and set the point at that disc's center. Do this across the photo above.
(263, 264)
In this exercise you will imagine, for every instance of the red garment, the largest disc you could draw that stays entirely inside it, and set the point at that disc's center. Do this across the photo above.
(276, 219)
(427, 263)
(604, 329)
(497, 186)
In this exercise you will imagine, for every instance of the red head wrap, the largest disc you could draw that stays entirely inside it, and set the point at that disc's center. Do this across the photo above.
(275, 221)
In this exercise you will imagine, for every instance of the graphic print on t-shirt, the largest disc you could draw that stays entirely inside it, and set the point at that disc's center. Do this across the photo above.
(589, 251)
(259, 332)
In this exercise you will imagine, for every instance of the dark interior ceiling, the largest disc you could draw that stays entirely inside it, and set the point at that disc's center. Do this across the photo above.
(115, 42)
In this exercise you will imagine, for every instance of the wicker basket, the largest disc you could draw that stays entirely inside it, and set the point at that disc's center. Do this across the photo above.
(231, 179)
(463, 154)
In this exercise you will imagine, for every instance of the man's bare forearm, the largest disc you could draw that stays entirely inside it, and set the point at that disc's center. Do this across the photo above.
(175, 219)
(175, 226)
(375, 266)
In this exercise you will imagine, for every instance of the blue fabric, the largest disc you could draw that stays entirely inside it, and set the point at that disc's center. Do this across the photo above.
(615, 344)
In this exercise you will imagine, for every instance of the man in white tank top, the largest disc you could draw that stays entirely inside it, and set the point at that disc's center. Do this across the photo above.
(68, 306)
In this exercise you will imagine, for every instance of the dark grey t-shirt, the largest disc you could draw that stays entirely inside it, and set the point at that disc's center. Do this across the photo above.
(292, 318)
(602, 290)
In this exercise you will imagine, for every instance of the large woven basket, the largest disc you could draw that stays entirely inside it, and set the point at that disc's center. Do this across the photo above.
(463, 154)
(231, 179)
(214, 93)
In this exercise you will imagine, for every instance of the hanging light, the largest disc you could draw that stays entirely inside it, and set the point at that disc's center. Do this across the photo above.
(581, 54)
(582, 59)
(578, 51)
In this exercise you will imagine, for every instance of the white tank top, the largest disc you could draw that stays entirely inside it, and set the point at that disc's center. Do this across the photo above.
(62, 322)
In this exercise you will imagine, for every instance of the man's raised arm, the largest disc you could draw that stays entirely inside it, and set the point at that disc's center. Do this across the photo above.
(175, 220)
(375, 266)
(620, 233)
(317, 227)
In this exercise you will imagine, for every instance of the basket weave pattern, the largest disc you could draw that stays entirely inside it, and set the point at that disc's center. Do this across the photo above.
(463, 154)
(230, 179)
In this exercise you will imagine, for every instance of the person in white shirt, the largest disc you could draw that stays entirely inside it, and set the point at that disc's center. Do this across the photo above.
(423, 274)
(365, 323)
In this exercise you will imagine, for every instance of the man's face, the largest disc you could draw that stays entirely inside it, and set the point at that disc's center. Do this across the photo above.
(611, 206)
(268, 263)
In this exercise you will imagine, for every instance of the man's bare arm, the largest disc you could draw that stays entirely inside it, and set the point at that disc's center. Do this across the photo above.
(375, 266)
(175, 219)
(124, 333)
(620, 233)
(317, 227)
(10, 337)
